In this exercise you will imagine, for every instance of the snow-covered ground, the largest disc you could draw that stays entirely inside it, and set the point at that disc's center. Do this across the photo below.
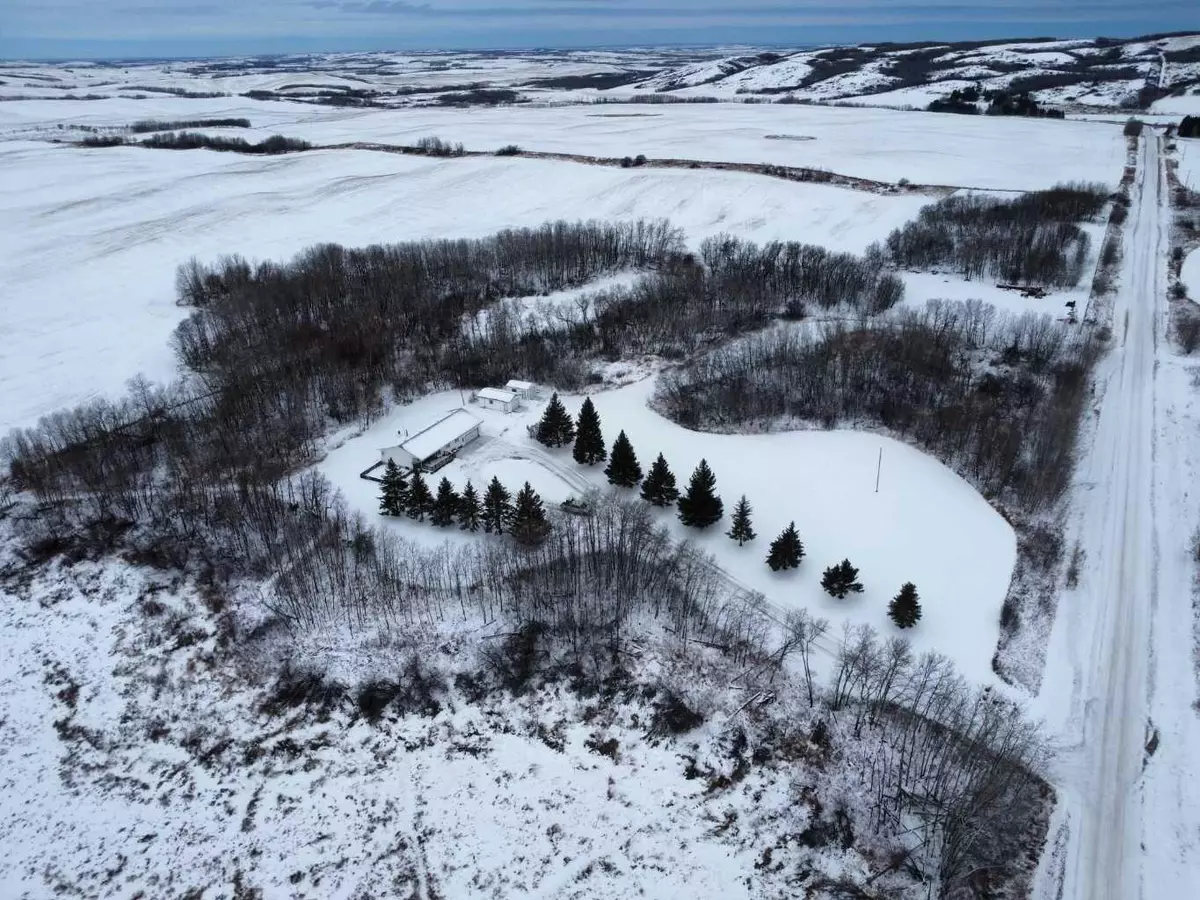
(925, 524)
(136, 760)
(882, 144)
(1188, 154)
(90, 239)
(1190, 274)
(1187, 105)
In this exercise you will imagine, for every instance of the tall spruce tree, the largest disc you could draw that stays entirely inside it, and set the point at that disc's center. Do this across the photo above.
(841, 579)
(556, 428)
(469, 511)
(623, 469)
(497, 507)
(659, 487)
(529, 525)
(420, 498)
(700, 506)
(786, 550)
(393, 495)
(905, 608)
(741, 529)
(445, 505)
(589, 441)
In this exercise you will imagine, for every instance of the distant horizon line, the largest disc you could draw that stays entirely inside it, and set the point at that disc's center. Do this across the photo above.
(621, 47)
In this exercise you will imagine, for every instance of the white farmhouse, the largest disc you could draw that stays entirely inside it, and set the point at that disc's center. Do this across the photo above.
(523, 389)
(498, 398)
(442, 439)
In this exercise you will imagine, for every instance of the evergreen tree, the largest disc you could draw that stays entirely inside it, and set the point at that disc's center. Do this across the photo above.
(469, 511)
(420, 499)
(659, 487)
(841, 580)
(556, 428)
(445, 505)
(786, 550)
(905, 608)
(529, 525)
(497, 507)
(700, 506)
(393, 495)
(741, 530)
(589, 442)
(623, 470)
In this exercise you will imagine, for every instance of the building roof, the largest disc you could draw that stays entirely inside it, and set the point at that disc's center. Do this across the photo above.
(498, 394)
(445, 430)
(515, 385)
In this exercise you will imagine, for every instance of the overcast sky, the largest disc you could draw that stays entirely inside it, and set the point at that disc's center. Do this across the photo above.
(55, 28)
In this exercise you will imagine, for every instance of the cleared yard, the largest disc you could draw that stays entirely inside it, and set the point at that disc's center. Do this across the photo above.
(924, 525)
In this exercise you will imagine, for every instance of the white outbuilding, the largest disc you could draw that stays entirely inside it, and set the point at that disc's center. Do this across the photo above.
(498, 398)
(522, 389)
(438, 441)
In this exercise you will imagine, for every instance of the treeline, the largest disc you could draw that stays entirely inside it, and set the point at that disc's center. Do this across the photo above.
(686, 305)
(333, 328)
(177, 92)
(323, 336)
(194, 140)
(997, 397)
(144, 126)
(480, 97)
(1189, 127)
(1032, 239)
(435, 146)
(1019, 103)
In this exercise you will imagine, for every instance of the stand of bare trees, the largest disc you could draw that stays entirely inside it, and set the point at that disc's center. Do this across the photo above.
(687, 305)
(1033, 239)
(997, 397)
(953, 776)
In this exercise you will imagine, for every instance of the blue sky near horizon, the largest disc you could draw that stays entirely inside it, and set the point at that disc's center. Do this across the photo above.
(165, 28)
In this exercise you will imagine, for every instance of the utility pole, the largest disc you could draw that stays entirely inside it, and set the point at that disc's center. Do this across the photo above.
(878, 470)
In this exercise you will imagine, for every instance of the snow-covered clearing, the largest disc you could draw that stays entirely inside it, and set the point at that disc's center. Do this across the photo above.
(925, 525)
(921, 287)
(91, 239)
(552, 310)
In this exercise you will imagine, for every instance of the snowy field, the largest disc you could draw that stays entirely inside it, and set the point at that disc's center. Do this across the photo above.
(925, 148)
(925, 525)
(880, 144)
(1187, 105)
(91, 239)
